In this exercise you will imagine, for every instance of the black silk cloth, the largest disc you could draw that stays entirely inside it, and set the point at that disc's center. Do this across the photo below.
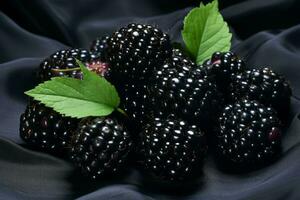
(266, 33)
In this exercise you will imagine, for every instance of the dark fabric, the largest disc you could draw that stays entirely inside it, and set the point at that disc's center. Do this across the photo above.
(266, 33)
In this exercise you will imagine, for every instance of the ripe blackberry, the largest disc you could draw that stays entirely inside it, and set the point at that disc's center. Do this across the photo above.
(134, 51)
(64, 59)
(249, 134)
(99, 47)
(172, 149)
(265, 86)
(223, 66)
(134, 99)
(101, 146)
(178, 86)
(44, 129)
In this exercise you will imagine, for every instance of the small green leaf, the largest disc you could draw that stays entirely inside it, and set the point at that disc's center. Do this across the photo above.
(92, 96)
(205, 32)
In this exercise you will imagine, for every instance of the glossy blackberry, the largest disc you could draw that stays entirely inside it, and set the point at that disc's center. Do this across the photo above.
(249, 134)
(134, 51)
(45, 129)
(172, 148)
(64, 59)
(265, 86)
(223, 66)
(99, 47)
(101, 147)
(134, 100)
(179, 86)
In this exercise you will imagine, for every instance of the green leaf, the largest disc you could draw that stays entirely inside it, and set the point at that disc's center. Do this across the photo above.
(92, 96)
(205, 32)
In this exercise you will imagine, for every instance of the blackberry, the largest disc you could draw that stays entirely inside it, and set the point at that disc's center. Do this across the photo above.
(249, 134)
(101, 146)
(99, 47)
(44, 129)
(223, 66)
(265, 86)
(134, 51)
(64, 59)
(172, 149)
(180, 87)
(98, 67)
(134, 100)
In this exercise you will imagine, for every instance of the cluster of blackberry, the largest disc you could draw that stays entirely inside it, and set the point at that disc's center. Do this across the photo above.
(248, 134)
(172, 106)
(98, 146)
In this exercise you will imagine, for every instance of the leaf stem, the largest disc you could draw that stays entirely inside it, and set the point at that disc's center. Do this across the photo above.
(67, 70)
(122, 112)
